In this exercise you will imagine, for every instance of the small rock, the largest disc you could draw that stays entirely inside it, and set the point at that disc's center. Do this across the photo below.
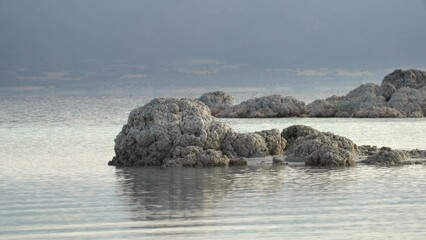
(278, 161)
(389, 157)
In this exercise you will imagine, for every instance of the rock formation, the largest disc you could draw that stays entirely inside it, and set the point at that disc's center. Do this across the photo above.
(316, 148)
(294, 132)
(274, 141)
(410, 102)
(389, 157)
(182, 132)
(410, 78)
(401, 94)
(266, 107)
(217, 101)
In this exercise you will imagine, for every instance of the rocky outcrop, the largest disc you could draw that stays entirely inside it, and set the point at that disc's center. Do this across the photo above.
(182, 132)
(217, 101)
(401, 94)
(367, 150)
(389, 157)
(324, 108)
(410, 102)
(416, 153)
(412, 78)
(274, 141)
(362, 102)
(316, 148)
(294, 132)
(266, 107)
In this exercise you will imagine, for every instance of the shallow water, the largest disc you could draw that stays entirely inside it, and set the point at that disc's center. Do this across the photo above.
(55, 183)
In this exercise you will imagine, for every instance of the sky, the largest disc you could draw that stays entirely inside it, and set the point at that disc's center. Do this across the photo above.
(109, 43)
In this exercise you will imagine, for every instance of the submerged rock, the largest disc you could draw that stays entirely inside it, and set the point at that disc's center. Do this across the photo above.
(266, 107)
(389, 157)
(217, 101)
(366, 150)
(278, 161)
(193, 156)
(182, 132)
(316, 148)
(415, 153)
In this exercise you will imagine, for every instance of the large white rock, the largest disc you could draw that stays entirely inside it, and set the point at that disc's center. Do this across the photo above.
(182, 132)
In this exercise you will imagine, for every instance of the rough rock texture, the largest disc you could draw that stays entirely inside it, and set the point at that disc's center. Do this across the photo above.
(297, 131)
(363, 101)
(401, 94)
(182, 132)
(266, 107)
(217, 101)
(244, 145)
(410, 78)
(366, 150)
(410, 102)
(274, 141)
(416, 153)
(389, 157)
(386, 90)
(324, 108)
(194, 156)
(318, 148)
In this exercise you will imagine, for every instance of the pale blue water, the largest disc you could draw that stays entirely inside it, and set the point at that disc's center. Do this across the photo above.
(55, 182)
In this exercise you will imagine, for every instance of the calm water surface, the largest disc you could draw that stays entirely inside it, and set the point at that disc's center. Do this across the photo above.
(55, 184)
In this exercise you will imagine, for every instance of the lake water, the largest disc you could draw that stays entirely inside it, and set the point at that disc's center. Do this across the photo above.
(55, 182)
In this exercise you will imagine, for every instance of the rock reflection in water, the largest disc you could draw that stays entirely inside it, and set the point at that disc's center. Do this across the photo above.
(160, 193)
(156, 193)
(270, 201)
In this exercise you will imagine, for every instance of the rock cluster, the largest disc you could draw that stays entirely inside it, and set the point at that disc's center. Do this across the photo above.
(401, 94)
(182, 132)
